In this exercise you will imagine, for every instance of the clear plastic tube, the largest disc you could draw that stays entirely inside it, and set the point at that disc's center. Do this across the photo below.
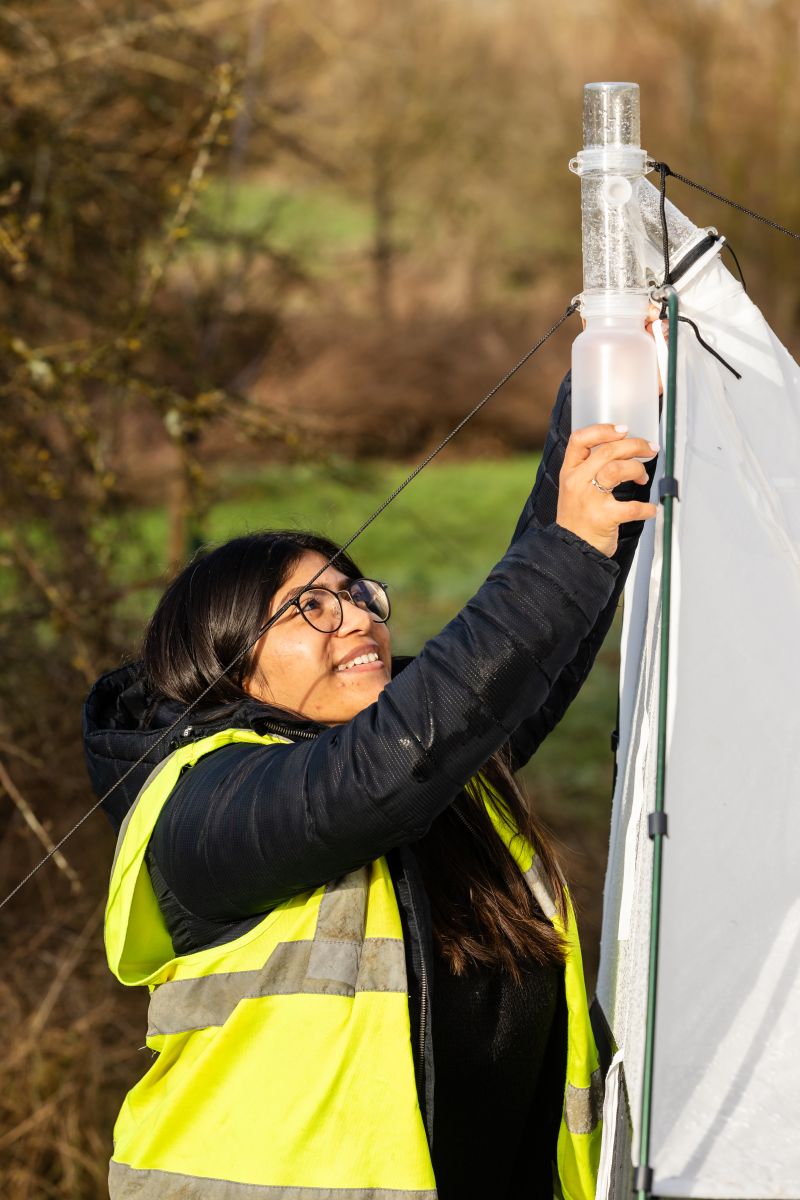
(611, 114)
(614, 366)
(610, 164)
(611, 249)
(680, 230)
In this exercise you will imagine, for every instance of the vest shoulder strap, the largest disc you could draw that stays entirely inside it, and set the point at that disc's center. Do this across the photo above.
(138, 945)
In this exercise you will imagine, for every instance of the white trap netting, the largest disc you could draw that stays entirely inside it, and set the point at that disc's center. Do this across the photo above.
(726, 1092)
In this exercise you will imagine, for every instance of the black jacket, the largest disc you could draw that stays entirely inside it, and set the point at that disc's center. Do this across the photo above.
(250, 826)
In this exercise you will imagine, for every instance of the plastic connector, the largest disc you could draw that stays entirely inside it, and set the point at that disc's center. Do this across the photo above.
(643, 1180)
(657, 824)
(668, 486)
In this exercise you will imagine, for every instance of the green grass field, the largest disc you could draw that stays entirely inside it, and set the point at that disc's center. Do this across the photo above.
(315, 225)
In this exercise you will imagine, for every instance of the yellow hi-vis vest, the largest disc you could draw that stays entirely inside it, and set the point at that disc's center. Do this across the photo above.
(283, 1067)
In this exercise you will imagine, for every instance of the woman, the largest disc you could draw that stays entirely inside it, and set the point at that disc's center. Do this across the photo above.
(366, 977)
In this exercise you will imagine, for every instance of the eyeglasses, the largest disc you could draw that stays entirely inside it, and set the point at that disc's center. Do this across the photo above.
(322, 607)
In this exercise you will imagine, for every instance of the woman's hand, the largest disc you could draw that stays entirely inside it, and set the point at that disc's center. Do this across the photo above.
(593, 515)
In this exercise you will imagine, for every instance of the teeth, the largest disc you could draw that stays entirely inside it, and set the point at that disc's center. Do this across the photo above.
(362, 658)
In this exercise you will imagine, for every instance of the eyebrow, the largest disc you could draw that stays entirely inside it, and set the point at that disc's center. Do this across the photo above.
(292, 595)
(295, 592)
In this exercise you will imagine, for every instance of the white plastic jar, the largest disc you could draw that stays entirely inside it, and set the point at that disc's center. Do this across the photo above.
(614, 365)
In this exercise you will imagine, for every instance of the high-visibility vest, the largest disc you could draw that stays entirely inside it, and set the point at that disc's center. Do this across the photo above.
(283, 1067)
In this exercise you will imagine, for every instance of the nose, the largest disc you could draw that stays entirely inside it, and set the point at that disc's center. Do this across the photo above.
(354, 619)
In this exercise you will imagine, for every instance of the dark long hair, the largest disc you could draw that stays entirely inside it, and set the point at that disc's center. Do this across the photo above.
(211, 614)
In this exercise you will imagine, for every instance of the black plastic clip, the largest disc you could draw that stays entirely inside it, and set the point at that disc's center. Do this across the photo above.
(614, 740)
(657, 824)
(643, 1180)
(668, 486)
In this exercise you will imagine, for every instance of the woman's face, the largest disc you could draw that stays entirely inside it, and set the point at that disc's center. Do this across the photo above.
(302, 669)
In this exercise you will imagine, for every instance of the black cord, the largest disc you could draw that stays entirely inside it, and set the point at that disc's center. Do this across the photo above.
(710, 349)
(570, 309)
(728, 246)
(664, 170)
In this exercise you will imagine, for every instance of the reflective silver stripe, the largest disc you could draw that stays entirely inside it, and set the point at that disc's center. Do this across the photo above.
(383, 966)
(185, 1004)
(539, 884)
(332, 965)
(329, 964)
(343, 909)
(339, 933)
(126, 1183)
(583, 1107)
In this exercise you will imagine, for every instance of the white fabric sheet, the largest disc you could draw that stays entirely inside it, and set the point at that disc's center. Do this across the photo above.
(726, 1109)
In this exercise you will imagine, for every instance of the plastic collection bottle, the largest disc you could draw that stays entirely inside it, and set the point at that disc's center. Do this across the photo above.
(614, 366)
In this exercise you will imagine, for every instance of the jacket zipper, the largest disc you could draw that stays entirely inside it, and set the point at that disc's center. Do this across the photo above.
(289, 733)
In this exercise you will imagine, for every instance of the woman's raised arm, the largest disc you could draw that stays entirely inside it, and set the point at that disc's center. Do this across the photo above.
(540, 511)
(250, 826)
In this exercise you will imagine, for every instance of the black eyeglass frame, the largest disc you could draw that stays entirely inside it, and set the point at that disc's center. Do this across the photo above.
(338, 593)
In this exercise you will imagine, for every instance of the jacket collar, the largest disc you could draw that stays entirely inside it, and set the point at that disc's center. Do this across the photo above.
(122, 724)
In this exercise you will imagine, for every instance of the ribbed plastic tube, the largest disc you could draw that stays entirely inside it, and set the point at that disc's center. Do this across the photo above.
(614, 368)
(609, 164)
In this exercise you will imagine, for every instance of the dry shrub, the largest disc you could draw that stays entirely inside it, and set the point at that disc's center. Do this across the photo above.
(73, 1048)
(395, 391)
(72, 1056)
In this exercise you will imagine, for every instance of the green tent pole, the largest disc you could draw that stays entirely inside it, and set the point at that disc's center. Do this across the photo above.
(657, 820)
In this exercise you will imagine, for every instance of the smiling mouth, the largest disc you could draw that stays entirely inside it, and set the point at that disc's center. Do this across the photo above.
(364, 662)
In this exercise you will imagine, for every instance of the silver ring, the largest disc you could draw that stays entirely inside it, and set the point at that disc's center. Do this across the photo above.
(600, 486)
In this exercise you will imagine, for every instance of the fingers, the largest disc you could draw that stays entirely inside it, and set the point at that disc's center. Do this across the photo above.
(582, 440)
(653, 314)
(634, 510)
(664, 325)
(620, 471)
(626, 449)
(592, 514)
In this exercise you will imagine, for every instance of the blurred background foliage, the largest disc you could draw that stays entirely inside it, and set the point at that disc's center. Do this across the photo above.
(255, 257)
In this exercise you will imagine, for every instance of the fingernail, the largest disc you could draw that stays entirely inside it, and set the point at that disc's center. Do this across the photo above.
(621, 428)
(654, 445)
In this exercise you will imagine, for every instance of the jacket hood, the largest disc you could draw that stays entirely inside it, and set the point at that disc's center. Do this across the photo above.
(124, 731)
